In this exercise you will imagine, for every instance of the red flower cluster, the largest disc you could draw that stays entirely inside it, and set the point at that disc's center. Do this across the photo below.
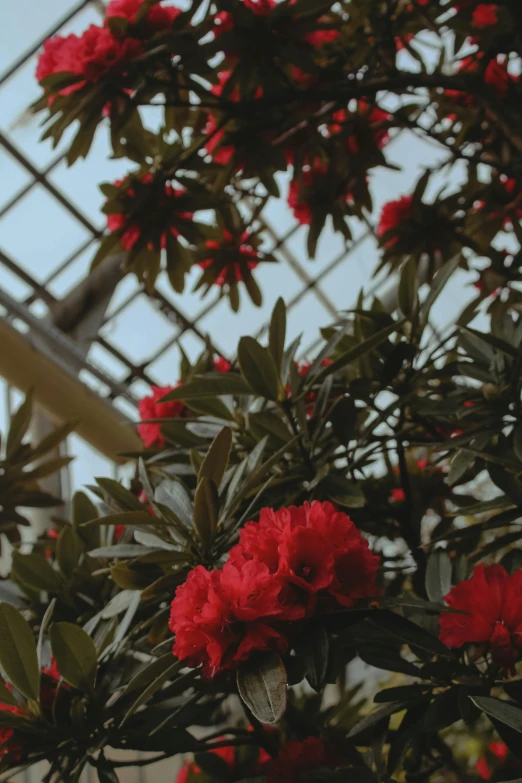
(229, 272)
(144, 193)
(290, 564)
(149, 409)
(89, 56)
(228, 755)
(484, 15)
(507, 192)
(377, 121)
(497, 749)
(222, 154)
(492, 602)
(10, 745)
(221, 364)
(393, 215)
(225, 21)
(158, 17)
(297, 759)
(304, 192)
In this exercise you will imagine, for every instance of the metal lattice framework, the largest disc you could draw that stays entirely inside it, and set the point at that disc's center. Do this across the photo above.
(41, 296)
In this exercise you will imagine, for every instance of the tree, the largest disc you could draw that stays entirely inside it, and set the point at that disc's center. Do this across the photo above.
(288, 518)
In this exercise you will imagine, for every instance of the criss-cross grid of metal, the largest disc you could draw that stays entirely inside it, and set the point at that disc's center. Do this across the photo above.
(50, 220)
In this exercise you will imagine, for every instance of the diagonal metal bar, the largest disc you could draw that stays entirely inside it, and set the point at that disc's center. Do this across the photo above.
(20, 62)
(42, 180)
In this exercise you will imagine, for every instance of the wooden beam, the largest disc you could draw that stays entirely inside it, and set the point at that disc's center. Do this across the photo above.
(63, 396)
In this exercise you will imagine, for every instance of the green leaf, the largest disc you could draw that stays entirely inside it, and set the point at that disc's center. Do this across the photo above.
(83, 509)
(148, 673)
(216, 460)
(18, 656)
(313, 648)
(69, 550)
(262, 684)
(403, 693)
(370, 344)
(409, 633)
(152, 688)
(386, 659)
(43, 630)
(408, 298)
(277, 333)
(258, 368)
(438, 575)
(106, 773)
(494, 341)
(460, 463)
(35, 571)
(123, 498)
(19, 425)
(75, 655)
(133, 518)
(6, 697)
(210, 386)
(505, 713)
(206, 511)
(438, 283)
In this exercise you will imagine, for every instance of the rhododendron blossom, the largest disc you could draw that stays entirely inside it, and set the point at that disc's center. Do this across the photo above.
(146, 204)
(498, 750)
(229, 755)
(221, 364)
(392, 215)
(484, 15)
(307, 190)
(90, 56)
(490, 614)
(230, 271)
(290, 564)
(296, 760)
(157, 17)
(150, 408)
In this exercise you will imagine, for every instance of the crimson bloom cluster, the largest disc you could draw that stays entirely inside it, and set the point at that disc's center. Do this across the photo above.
(291, 564)
(295, 760)
(489, 616)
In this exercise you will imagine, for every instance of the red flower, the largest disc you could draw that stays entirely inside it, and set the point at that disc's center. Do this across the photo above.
(158, 17)
(498, 749)
(497, 76)
(219, 617)
(150, 408)
(57, 56)
(319, 38)
(279, 540)
(10, 746)
(285, 566)
(141, 197)
(221, 364)
(222, 154)
(492, 600)
(303, 192)
(228, 755)
(397, 495)
(484, 15)
(297, 759)
(392, 216)
(230, 272)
